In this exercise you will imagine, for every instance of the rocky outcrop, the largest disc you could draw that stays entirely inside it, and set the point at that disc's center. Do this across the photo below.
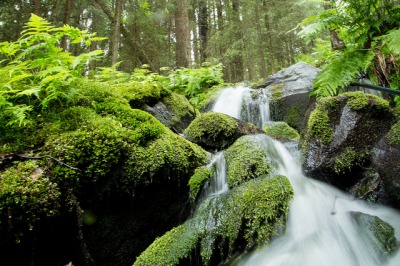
(385, 156)
(340, 134)
(289, 90)
(217, 131)
(174, 111)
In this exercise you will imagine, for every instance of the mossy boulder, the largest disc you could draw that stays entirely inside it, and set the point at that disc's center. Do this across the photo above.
(340, 133)
(289, 90)
(385, 159)
(174, 111)
(281, 130)
(248, 158)
(378, 232)
(238, 220)
(217, 131)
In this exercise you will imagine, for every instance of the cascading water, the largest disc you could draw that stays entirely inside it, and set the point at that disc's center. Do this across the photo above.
(218, 182)
(321, 228)
(245, 104)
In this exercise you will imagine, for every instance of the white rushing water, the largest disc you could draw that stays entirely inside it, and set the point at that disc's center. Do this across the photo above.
(218, 182)
(321, 228)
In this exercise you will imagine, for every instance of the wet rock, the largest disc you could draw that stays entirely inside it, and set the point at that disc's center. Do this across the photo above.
(340, 134)
(385, 158)
(290, 89)
(174, 111)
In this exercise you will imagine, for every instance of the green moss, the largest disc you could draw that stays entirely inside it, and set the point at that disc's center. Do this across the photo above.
(276, 92)
(319, 125)
(172, 247)
(381, 234)
(246, 159)
(252, 211)
(281, 130)
(179, 106)
(293, 117)
(26, 195)
(358, 100)
(346, 160)
(393, 137)
(170, 156)
(197, 180)
(139, 93)
(214, 126)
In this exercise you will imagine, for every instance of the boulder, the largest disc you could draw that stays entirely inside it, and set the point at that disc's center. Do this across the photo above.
(290, 89)
(340, 134)
(385, 156)
(217, 131)
(174, 111)
(281, 130)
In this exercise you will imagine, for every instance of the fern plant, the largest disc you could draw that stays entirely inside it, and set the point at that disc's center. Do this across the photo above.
(370, 30)
(37, 72)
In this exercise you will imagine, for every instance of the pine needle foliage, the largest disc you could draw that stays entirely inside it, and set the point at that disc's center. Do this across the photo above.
(370, 30)
(37, 73)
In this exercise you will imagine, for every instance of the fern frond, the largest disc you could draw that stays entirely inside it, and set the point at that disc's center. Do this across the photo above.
(341, 72)
(392, 40)
(36, 25)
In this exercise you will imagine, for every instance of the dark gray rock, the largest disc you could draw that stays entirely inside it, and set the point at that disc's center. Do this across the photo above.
(290, 89)
(340, 134)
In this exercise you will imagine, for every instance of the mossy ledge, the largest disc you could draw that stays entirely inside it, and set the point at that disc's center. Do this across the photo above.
(248, 158)
(246, 216)
(281, 130)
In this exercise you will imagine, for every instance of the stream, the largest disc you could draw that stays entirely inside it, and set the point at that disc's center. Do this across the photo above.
(321, 228)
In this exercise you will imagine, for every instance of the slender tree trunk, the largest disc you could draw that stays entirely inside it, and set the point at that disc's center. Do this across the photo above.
(238, 58)
(67, 15)
(336, 42)
(260, 42)
(182, 33)
(38, 7)
(219, 15)
(116, 34)
(203, 29)
(268, 38)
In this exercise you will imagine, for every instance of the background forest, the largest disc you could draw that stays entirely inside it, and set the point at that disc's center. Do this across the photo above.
(252, 38)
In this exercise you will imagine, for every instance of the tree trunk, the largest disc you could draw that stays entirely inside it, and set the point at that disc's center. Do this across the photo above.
(260, 42)
(182, 33)
(238, 58)
(116, 34)
(269, 38)
(203, 29)
(336, 42)
(67, 15)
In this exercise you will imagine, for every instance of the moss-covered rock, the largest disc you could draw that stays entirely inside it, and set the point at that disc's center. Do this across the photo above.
(378, 232)
(248, 158)
(174, 111)
(244, 217)
(281, 130)
(196, 182)
(26, 195)
(217, 131)
(340, 134)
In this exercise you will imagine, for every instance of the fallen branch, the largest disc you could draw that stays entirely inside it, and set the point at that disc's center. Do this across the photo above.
(50, 157)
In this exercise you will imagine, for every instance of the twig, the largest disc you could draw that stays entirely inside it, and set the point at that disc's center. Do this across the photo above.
(50, 157)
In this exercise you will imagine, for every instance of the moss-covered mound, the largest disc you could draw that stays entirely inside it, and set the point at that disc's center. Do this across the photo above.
(101, 156)
(217, 131)
(248, 158)
(340, 134)
(244, 217)
(281, 130)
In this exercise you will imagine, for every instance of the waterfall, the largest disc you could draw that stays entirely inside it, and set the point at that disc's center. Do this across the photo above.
(218, 182)
(321, 228)
(245, 104)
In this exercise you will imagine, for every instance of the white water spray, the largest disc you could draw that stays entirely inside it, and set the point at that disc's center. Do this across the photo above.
(321, 229)
(218, 182)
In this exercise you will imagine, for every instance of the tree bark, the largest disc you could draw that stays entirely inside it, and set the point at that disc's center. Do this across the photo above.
(238, 69)
(116, 34)
(336, 43)
(182, 33)
(67, 15)
(260, 45)
(269, 38)
(203, 29)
